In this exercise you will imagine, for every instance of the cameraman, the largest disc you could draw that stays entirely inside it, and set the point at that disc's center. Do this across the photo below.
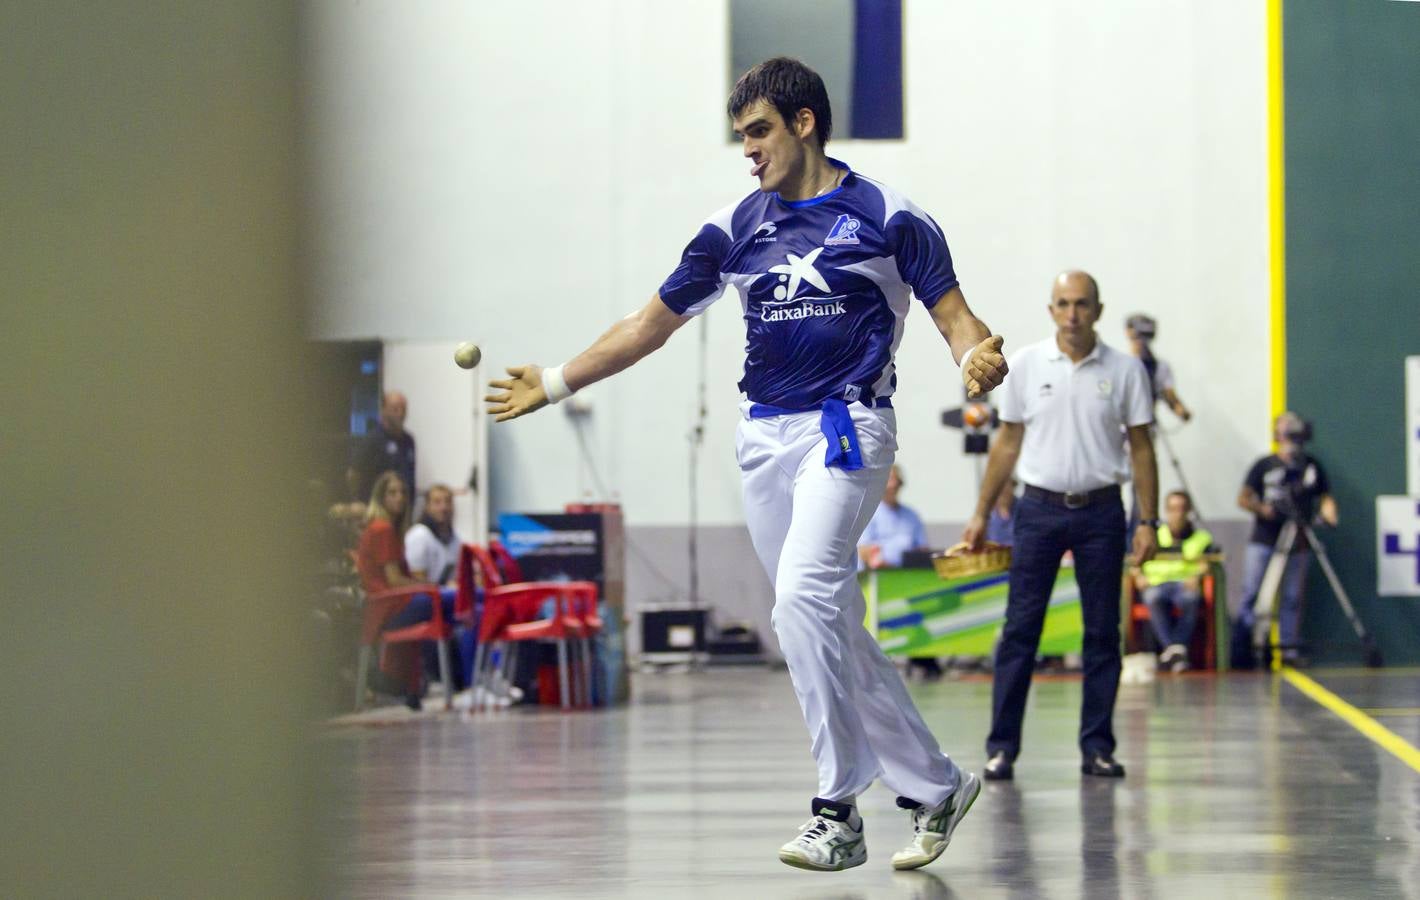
(1286, 484)
(1140, 329)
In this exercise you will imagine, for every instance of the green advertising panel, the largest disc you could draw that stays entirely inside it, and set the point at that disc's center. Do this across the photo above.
(918, 613)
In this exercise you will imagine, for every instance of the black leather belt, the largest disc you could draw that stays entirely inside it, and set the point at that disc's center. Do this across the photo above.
(1071, 500)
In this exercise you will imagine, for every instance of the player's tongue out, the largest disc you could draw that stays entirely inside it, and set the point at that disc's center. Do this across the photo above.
(759, 169)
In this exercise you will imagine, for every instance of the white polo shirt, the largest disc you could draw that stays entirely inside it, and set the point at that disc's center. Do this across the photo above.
(1073, 414)
(424, 552)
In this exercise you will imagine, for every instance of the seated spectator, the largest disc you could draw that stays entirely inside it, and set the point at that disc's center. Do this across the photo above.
(431, 547)
(1001, 527)
(1171, 582)
(894, 529)
(380, 559)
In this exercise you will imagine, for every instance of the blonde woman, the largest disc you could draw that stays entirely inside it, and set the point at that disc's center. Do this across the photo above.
(380, 553)
(380, 559)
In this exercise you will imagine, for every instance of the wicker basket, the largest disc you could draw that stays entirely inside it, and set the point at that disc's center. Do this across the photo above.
(959, 562)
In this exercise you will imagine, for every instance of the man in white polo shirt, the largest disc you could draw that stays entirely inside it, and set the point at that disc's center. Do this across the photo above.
(1061, 413)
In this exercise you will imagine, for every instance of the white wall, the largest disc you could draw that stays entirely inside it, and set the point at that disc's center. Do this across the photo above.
(528, 172)
(451, 426)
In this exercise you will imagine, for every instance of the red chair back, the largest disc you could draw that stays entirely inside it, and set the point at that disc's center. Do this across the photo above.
(507, 565)
(508, 600)
(467, 588)
(492, 577)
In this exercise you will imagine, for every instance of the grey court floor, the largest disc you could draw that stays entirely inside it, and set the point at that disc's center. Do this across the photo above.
(1238, 786)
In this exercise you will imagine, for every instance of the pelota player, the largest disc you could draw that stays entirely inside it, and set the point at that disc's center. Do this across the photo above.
(825, 262)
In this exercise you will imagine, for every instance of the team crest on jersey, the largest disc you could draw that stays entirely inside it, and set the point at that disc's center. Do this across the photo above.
(844, 231)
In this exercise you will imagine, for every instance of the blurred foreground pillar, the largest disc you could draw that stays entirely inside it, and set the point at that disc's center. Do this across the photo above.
(154, 717)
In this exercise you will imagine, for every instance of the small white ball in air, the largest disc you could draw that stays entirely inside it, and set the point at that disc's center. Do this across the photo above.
(467, 355)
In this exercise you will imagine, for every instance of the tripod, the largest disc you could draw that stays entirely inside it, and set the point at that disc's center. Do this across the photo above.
(1272, 582)
(1193, 512)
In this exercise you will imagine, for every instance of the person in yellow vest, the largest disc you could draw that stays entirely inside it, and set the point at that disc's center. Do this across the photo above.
(1171, 583)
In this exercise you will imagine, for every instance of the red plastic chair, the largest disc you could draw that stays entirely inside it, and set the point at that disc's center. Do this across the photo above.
(380, 606)
(1202, 644)
(506, 563)
(511, 616)
(466, 599)
(585, 619)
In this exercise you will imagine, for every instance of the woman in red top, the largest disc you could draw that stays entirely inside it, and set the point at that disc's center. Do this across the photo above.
(380, 560)
(380, 553)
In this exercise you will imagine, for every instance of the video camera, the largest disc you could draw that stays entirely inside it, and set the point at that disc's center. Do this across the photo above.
(1294, 503)
(1144, 327)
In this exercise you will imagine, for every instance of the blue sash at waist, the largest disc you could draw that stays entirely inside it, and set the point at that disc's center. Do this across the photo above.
(836, 422)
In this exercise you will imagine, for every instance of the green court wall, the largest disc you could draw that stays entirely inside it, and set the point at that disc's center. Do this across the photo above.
(1352, 132)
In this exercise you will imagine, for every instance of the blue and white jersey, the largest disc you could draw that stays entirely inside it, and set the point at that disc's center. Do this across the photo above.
(825, 285)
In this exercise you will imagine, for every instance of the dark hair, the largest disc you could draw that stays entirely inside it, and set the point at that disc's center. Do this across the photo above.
(789, 86)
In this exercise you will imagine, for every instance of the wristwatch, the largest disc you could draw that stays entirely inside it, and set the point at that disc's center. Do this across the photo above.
(1152, 523)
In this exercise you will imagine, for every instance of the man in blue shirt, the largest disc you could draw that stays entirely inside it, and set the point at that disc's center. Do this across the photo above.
(894, 529)
(825, 262)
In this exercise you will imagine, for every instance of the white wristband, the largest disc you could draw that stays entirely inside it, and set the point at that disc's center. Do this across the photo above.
(554, 385)
(966, 359)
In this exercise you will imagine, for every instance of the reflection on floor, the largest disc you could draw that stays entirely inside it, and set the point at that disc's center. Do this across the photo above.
(1390, 696)
(1238, 787)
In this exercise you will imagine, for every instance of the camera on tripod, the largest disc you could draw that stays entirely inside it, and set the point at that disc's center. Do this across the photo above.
(1293, 500)
(1290, 506)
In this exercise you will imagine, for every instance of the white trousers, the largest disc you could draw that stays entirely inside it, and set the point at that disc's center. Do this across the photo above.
(805, 520)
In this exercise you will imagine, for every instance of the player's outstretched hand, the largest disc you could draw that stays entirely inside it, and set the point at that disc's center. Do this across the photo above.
(986, 369)
(522, 393)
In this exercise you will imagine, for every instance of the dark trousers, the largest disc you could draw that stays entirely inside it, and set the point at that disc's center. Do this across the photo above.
(421, 609)
(1044, 531)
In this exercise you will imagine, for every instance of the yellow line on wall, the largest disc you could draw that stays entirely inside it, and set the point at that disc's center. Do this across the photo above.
(1378, 733)
(1277, 207)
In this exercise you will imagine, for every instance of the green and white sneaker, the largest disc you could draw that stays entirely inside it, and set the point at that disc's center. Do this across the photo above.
(830, 841)
(932, 827)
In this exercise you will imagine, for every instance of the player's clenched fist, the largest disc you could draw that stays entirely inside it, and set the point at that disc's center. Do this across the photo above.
(986, 368)
(521, 393)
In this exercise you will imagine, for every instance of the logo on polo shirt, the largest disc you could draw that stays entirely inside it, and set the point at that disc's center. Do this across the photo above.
(1045, 390)
(1105, 386)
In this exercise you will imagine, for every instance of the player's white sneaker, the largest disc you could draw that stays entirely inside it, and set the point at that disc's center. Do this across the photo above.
(830, 841)
(932, 827)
